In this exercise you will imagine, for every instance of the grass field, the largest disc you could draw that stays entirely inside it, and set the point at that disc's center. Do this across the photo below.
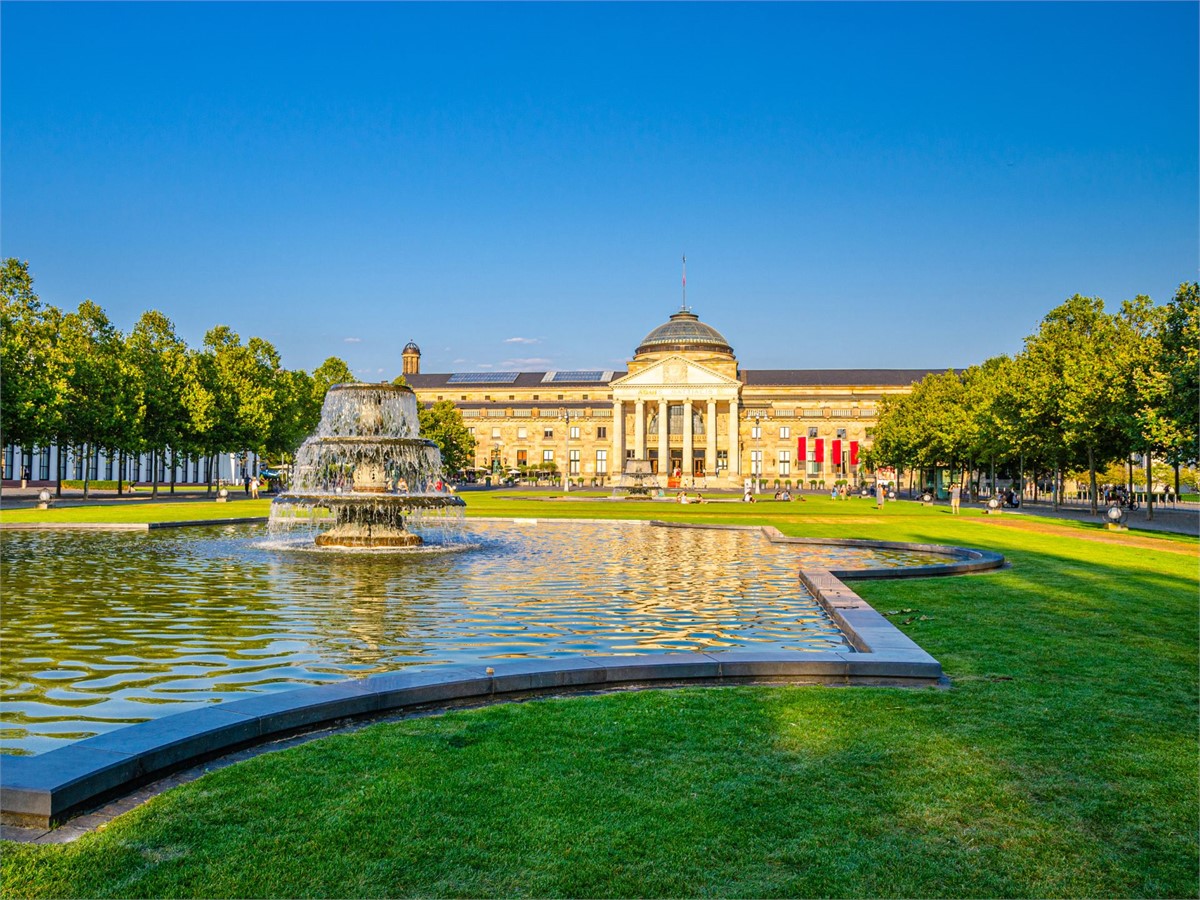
(1062, 761)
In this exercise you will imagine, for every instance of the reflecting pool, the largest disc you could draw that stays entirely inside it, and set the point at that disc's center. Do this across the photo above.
(103, 629)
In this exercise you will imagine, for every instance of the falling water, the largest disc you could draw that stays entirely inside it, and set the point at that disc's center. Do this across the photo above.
(365, 470)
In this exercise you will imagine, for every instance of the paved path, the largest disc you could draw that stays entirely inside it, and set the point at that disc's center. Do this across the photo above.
(1183, 519)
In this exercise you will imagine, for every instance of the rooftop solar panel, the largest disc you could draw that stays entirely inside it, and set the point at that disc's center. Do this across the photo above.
(482, 378)
(586, 375)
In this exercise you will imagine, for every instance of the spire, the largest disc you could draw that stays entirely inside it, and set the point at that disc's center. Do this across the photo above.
(684, 307)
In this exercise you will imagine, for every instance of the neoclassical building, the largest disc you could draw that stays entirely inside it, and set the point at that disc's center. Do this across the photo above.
(684, 404)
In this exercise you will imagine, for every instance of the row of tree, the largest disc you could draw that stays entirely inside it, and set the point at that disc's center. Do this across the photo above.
(1089, 388)
(74, 380)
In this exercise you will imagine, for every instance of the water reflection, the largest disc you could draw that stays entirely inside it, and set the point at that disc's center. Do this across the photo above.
(104, 629)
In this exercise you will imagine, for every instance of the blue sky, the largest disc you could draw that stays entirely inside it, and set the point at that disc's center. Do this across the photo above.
(512, 186)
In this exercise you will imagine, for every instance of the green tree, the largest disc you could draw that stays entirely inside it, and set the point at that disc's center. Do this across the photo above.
(332, 371)
(1179, 346)
(1070, 389)
(101, 400)
(235, 393)
(442, 423)
(30, 370)
(160, 359)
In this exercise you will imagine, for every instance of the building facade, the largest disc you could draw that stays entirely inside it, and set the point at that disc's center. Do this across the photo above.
(684, 404)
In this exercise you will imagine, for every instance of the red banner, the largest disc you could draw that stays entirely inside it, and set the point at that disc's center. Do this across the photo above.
(820, 448)
(801, 450)
(836, 453)
(854, 453)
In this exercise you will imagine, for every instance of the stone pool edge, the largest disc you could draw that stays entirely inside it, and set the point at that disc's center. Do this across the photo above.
(46, 790)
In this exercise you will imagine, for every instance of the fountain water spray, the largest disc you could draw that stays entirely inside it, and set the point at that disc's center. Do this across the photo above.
(368, 467)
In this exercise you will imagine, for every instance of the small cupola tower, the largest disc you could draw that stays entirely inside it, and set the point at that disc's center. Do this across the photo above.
(411, 359)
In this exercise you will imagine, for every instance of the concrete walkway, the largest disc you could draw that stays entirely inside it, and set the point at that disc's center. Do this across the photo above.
(1181, 519)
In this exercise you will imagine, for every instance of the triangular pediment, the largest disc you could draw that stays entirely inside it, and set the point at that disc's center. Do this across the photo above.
(674, 371)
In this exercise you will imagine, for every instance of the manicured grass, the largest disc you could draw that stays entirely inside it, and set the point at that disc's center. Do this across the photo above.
(142, 511)
(1062, 761)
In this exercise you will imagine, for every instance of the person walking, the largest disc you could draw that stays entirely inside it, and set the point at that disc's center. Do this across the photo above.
(955, 497)
(254, 488)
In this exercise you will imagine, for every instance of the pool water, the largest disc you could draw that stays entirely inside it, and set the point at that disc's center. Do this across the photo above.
(101, 630)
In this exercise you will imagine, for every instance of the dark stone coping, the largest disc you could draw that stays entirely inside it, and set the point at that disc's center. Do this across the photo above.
(47, 789)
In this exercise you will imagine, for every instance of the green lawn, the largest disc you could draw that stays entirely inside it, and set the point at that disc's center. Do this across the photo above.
(1062, 762)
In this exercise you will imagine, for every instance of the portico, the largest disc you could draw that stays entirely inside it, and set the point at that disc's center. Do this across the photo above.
(683, 417)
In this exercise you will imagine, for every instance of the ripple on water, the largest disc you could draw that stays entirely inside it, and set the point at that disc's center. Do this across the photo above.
(104, 629)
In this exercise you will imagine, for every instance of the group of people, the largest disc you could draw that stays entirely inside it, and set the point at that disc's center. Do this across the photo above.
(252, 485)
(682, 497)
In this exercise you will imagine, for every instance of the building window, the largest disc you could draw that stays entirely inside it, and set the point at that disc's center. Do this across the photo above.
(756, 431)
(463, 397)
(601, 432)
(785, 432)
(812, 432)
(785, 463)
(814, 467)
(495, 434)
(547, 432)
(574, 462)
(522, 457)
(574, 432)
(629, 454)
(522, 433)
(585, 396)
(841, 433)
(512, 396)
(756, 462)
(471, 432)
(560, 396)
(601, 462)
(44, 464)
(547, 456)
(535, 396)
(722, 460)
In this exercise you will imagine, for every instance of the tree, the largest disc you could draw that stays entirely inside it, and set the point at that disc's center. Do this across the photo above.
(30, 399)
(160, 359)
(442, 423)
(236, 386)
(1070, 387)
(297, 412)
(1179, 346)
(332, 371)
(100, 398)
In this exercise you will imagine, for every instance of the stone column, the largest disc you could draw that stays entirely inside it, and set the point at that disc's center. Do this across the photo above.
(617, 467)
(688, 469)
(639, 429)
(710, 440)
(664, 453)
(735, 460)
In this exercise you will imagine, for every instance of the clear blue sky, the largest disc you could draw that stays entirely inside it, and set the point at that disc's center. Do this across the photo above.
(512, 186)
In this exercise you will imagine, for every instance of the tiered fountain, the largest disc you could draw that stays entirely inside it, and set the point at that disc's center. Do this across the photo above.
(368, 467)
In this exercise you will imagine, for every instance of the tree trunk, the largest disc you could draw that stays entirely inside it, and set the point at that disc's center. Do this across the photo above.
(1149, 489)
(208, 473)
(120, 471)
(87, 465)
(1176, 480)
(173, 464)
(60, 467)
(1056, 493)
(154, 474)
(1092, 479)
(1129, 469)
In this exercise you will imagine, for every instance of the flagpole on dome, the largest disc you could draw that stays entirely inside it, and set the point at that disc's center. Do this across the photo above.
(684, 307)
